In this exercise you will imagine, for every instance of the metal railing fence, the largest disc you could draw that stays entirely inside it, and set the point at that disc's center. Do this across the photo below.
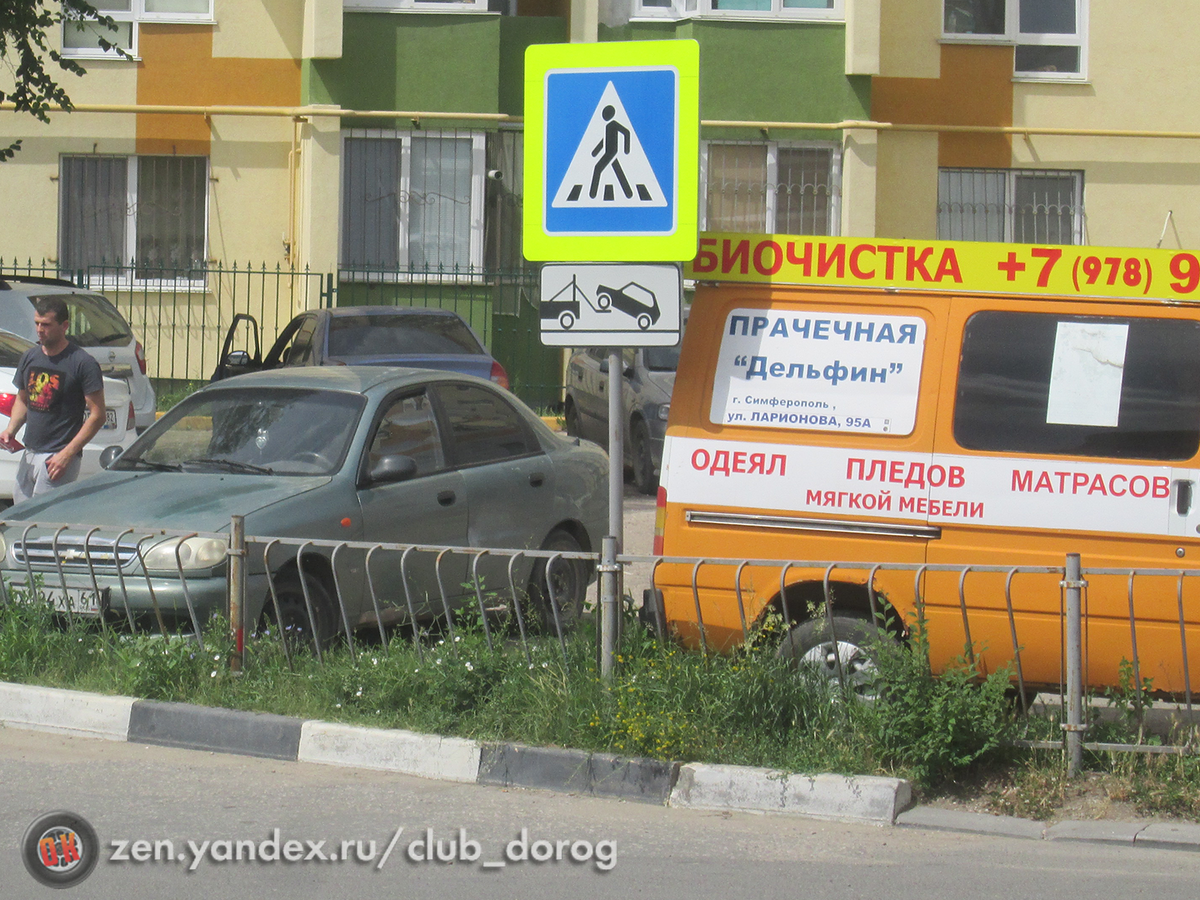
(318, 593)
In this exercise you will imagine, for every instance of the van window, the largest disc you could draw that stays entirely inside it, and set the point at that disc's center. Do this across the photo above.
(1079, 386)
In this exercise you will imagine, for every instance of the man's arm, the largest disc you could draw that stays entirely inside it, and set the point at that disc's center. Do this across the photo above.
(16, 418)
(91, 426)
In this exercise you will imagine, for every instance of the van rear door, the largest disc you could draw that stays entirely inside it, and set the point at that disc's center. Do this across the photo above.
(1076, 425)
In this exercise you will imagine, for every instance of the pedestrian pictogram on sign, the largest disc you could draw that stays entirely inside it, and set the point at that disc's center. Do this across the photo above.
(609, 168)
(611, 151)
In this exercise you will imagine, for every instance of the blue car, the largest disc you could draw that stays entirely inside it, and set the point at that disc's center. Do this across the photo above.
(419, 337)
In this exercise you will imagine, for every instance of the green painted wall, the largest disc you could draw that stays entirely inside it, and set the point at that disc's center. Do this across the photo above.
(517, 33)
(790, 72)
(413, 63)
(430, 62)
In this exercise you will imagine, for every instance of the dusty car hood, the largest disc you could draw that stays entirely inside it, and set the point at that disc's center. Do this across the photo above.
(185, 501)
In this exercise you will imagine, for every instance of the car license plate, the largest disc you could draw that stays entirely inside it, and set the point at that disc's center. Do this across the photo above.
(82, 601)
(110, 418)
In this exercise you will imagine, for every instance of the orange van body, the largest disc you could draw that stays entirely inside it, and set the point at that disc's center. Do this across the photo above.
(939, 428)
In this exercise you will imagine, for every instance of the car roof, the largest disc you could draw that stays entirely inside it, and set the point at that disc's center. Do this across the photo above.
(356, 379)
(30, 284)
(339, 311)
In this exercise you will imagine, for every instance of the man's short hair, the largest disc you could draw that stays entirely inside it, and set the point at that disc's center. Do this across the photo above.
(55, 306)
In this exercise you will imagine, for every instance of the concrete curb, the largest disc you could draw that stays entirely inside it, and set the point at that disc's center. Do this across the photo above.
(1155, 835)
(423, 755)
(860, 799)
(932, 819)
(220, 730)
(65, 712)
(596, 774)
(846, 798)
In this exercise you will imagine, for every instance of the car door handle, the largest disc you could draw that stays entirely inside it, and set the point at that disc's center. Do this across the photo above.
(446, 498)
(1183, 497)
(537, 479)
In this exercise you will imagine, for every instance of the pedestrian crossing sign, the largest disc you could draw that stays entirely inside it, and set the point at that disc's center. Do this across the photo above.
(611, 151)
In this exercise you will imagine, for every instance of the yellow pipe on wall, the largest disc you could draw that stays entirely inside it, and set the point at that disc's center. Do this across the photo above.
(417, 115)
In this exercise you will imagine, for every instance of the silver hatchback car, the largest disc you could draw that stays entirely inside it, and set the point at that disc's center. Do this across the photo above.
(649, 378)
(96, 325)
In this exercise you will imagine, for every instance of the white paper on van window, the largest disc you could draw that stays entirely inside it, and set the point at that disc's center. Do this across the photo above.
(1087, 374)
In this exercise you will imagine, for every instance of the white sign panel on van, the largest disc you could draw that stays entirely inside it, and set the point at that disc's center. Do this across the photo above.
(934, 488)
(817, 370)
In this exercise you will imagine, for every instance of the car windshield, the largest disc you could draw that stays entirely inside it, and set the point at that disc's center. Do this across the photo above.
(661, 359)
(400, 335)
(256, 431)
(94, 322)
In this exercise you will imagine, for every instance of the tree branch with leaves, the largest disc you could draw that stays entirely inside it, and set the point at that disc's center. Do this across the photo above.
(29, 50)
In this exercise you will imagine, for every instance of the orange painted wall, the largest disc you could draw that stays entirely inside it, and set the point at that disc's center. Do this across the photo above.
(974, 88)
(177, 68)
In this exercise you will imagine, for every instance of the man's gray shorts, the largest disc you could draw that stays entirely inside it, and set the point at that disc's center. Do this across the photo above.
(33, 479)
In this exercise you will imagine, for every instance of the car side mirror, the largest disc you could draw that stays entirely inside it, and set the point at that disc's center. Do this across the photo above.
(237, 359)
(110, 455)
(391, 469)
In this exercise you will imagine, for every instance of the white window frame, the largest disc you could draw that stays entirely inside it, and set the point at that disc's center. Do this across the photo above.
(136, 14)
(772, 176)
(475, 265)
(1012, 35)
(423, 6)
(1010, 199)
(125, 273)
(685, 9)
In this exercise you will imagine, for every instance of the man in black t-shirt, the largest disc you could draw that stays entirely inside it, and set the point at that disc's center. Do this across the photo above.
(60, 401)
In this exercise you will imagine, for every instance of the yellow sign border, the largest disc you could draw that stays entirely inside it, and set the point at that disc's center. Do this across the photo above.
(684, 57)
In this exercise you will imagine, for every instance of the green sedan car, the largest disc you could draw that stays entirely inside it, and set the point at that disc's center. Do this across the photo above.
(318, 457)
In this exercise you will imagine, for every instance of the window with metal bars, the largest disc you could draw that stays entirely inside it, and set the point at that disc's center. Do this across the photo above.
(412, 203)
(1020, 206)
(133, 216)
(771, 188)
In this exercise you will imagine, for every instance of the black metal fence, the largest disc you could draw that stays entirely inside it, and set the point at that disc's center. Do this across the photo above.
(181, 317)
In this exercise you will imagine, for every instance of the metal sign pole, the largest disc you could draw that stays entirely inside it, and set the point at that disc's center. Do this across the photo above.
(610, 580)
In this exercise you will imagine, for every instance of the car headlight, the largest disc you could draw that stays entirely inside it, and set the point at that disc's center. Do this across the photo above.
(664, 411)
(194, 553)
(3, 549)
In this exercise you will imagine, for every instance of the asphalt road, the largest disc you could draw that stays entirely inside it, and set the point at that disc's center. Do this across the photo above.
(130, 792)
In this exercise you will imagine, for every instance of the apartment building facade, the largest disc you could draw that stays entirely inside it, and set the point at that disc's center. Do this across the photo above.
(379, 141)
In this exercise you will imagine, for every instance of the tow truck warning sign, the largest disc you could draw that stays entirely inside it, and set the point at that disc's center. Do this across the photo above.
(952, 266)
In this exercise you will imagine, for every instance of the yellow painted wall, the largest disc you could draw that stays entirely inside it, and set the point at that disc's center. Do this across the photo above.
(908, 38)
(271, 29)
(248, 198)
(1141, 77)
(30, 180)
(248, 194)
(907, 178)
